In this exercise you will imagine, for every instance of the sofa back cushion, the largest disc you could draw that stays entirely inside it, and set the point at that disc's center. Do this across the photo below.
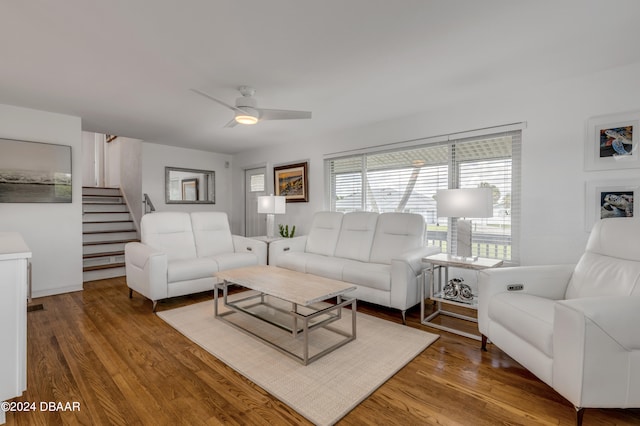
(169, 232)
(396, 233)
(610, 265)
(212, 233)
(323, 235)
(356, 235)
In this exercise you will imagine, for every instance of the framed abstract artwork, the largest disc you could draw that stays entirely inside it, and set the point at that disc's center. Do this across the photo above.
(290, 181)
(612, 142)
(34, 172)
(611, 198)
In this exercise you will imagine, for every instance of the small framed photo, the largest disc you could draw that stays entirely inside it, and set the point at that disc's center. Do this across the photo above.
(606, 199)
(290, 181)
(612, 142)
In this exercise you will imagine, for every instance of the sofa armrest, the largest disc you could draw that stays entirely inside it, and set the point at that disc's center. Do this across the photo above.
(548, 281)
(405, 276)
(146, 270)
(249, 245)
(596, 348)
(285, 245)
(413, 258)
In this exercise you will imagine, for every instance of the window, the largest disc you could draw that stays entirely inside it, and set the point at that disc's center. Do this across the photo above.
(257, 183)
(406, 180)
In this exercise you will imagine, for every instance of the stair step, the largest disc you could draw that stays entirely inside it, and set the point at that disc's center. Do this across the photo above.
(110, 236)
(99, 267)
(105, 261)
(104, 208)
(103, 199)
(105, 217)
(105, 246)
(103, 254)
(91, 190)
(103, 274)
(126, 225)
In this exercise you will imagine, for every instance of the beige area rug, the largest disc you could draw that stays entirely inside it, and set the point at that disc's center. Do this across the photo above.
(323, 391)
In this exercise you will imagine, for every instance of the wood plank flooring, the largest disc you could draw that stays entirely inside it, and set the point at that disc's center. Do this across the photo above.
(125, 366)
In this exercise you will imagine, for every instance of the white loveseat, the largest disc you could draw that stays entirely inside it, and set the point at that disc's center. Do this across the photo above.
(180, 252)
(575, 327)
(380, 253)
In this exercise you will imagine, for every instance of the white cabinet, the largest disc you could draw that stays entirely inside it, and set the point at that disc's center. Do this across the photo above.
(14, 275)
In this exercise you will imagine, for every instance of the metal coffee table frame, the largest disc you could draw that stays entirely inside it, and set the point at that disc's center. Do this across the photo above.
(300, 322)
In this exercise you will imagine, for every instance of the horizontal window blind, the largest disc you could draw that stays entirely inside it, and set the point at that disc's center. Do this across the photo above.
(489, 162)
(406, 180)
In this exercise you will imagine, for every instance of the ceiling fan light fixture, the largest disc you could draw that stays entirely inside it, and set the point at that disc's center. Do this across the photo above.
(246, 119)
(247, 116)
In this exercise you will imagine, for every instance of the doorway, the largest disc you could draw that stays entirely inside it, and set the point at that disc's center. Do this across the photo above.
(255, 186)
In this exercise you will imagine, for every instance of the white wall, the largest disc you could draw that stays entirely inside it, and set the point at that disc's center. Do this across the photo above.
(112, 156)
(131, 175)
(553, 177)
(52, 231)
(156, 157)
(89, 159)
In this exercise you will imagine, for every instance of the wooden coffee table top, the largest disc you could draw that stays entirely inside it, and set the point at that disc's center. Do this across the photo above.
(292, 286)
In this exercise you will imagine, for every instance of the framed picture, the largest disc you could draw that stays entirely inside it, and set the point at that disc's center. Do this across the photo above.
(291, 181)
(190, 189)
(606, 199)
(612, 142)
(34, 172)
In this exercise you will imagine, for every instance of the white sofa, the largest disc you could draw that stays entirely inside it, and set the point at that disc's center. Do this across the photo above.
(575, 327)
(380, 253)
(180, 252)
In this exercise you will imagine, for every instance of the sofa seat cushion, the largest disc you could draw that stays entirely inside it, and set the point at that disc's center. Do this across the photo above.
(372, 275)
(294, 260)
(234, 260)
(325, 266)
(527, 316)
(190, 269)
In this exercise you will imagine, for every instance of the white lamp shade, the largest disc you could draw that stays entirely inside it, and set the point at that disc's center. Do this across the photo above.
(272, 204)
(473, 202)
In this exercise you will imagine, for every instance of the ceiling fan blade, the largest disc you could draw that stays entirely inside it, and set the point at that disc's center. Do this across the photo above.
(282, 114)
(233, 108)
(231, 123)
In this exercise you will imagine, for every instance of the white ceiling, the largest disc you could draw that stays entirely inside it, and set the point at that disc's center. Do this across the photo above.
(126, 66)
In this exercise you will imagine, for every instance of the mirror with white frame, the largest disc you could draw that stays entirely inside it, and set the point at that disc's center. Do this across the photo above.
(189, 186)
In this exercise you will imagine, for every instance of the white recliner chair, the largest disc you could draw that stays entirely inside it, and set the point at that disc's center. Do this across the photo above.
(576, 327)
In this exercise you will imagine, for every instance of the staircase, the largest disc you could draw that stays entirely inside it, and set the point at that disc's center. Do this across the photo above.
(106, 227)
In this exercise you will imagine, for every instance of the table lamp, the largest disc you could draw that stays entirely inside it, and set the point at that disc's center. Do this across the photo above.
(271, 205)
(463, 203)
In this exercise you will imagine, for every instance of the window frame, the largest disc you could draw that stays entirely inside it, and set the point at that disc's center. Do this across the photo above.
(511, 253)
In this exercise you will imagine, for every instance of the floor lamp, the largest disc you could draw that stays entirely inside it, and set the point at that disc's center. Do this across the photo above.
(463, 203)
(272, 205)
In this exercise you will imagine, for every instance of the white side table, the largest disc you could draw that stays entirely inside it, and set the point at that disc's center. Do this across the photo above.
(444, 261)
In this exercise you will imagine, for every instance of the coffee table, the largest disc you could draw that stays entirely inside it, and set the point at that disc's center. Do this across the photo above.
(301, 313)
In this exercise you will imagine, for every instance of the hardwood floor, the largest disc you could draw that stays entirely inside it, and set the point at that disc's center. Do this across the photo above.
(124, 365)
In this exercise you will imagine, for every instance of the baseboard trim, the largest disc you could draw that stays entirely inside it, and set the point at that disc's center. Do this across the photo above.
(54, 291)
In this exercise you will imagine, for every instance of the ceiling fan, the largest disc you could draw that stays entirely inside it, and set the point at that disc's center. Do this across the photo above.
(247, 112)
